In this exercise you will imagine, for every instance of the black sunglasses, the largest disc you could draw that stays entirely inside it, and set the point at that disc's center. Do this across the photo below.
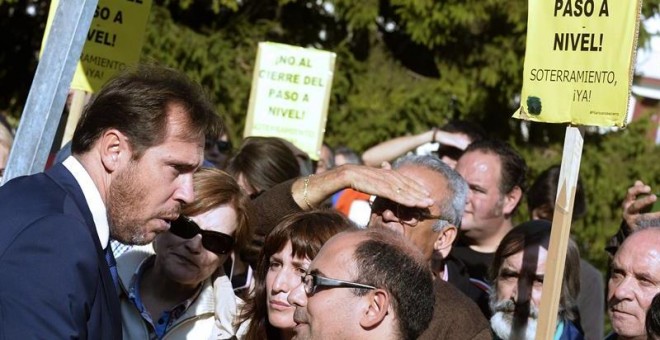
(213, 241)
(223, 146)
(407, 215)
(312, 282)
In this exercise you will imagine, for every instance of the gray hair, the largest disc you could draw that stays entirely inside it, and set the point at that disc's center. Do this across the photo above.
(453, 205)
(648, 222)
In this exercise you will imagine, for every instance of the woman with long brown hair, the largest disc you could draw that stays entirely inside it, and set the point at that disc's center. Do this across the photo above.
(287, 252)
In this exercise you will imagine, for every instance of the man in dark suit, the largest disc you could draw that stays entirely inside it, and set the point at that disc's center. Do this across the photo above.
(135, 149)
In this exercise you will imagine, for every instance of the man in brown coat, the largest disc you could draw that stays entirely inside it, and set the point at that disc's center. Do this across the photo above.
(455, 316)
(433, 230)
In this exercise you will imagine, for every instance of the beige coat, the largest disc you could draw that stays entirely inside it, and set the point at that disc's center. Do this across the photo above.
(197, 322)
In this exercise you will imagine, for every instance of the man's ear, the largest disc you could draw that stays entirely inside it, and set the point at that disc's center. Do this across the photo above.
(511, 200)
(377, 309)
(445, 240)
(114, 149)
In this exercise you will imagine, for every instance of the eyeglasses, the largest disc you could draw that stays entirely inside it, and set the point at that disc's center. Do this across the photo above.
(213, 241)
(223, 146)
(312, 282)
(406, 215)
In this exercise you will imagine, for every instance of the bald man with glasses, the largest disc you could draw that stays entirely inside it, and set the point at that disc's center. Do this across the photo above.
(351, 292)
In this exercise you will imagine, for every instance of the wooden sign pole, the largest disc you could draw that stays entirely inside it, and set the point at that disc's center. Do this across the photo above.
(561, 229)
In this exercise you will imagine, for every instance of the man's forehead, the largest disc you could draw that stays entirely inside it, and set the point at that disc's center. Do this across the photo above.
(337, 253)
(476, 164)
(425, 173)
(643, 240)
(531, 259)
(426, 177)
(478, 156)
(641, 253)
(179, 125)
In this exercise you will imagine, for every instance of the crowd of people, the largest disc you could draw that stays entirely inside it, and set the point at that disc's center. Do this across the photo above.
(153, 227)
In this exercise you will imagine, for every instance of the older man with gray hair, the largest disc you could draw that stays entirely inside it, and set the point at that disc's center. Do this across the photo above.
(634, 281)
(433, 230)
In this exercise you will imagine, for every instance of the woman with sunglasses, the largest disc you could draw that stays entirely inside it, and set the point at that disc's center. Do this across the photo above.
(167, 290)
(286, 254)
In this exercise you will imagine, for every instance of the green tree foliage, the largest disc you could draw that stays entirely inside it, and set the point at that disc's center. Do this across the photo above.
(477, 48)
(222, 61)
(610, 164)
(20, 41)
(371, 89)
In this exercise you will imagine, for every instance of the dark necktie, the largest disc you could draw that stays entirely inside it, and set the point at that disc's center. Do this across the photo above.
(110, 259)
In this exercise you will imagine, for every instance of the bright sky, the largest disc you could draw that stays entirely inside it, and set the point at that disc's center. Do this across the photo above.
(648, 59)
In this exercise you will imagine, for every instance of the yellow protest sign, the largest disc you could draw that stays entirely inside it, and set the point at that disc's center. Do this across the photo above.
(290, 95)
(579, 61)
(114, 41)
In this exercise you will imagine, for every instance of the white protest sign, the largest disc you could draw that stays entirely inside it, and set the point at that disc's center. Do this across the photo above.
(290, 95)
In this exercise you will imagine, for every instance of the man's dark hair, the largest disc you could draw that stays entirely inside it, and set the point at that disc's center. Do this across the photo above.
(136, 103)
(473, 131)
(533, 234)
(514, 168)
(387, 261)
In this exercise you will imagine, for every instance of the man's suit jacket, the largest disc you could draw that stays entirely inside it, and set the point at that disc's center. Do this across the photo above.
(54, 280)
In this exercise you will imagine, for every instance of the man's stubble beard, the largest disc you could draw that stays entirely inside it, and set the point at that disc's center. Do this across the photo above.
(125, 197)
(498, 207)
(474, 226)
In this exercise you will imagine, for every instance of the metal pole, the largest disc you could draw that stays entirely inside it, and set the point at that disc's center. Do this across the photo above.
(43, 108)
